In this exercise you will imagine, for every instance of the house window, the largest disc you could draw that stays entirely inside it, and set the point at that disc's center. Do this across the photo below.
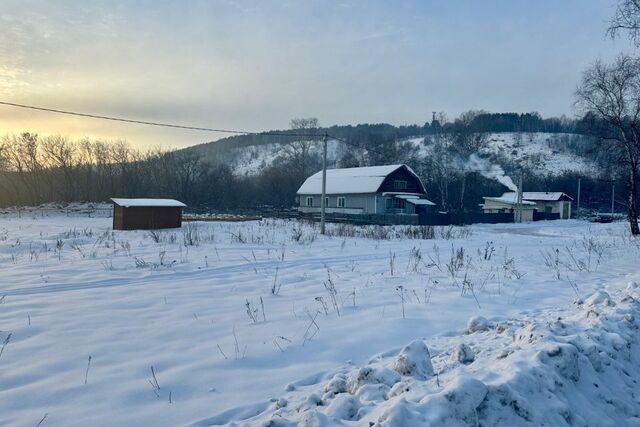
(309, 201)
(341, 203)
(326, 202)
(395, 203)
(399, 184)
(398, 203)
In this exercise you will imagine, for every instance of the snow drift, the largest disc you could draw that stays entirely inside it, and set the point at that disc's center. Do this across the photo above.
(577, 366)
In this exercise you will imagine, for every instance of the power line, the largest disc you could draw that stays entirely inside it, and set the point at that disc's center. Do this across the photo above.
(361, 147)
(160, 124)
(178, 126)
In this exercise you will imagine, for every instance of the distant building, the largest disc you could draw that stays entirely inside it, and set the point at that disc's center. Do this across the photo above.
(507, 203)
(555, 202)
(372, 190)
(146, 214)
(532, 201)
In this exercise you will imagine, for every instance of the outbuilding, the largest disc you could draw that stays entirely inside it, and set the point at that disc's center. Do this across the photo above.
(549, 202)
(508, 203)
(534, 203)
(146, 214)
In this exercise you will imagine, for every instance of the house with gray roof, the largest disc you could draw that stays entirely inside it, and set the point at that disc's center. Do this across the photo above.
(372, 190)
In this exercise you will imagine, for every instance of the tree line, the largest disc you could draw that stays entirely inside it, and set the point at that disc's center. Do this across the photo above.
(36, 170)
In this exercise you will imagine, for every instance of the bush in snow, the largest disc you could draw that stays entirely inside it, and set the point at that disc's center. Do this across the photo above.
(477, 324)
(414, 360)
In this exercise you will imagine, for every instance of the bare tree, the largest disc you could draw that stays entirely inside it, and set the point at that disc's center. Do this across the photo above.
(298, 152)
(189, 170)
(22, 156)
(440, 167)
(626, 18)
(468, 139)
(610, 93)
(60, 155)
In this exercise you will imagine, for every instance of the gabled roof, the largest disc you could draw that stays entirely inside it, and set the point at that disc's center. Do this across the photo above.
(351, 180)
(542, 196)
(129, 203)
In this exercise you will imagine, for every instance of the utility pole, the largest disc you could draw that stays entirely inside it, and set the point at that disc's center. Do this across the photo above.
(519, 200)
(324, 182)
(613, 197)
(578, 208)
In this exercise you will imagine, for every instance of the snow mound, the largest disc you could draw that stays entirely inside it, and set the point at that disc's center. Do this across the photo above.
(344, 407)
(463, 354)
(478, 324)
(598, 298)
(414, 360)
(558, 368)
(371, 375)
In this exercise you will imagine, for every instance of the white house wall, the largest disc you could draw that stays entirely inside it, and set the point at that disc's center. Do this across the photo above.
(492, 206)
(556, 207)
(354, 204)
(369, 204)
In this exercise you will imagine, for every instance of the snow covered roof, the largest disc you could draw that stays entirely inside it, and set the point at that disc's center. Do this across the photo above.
(541, 196)
(350, 180)
(509, 198)
(414, 200)
(128, 203)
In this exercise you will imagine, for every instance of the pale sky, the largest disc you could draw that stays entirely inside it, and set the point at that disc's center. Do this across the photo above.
(254, 65)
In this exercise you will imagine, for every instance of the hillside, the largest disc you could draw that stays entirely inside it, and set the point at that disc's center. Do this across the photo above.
(545, 154)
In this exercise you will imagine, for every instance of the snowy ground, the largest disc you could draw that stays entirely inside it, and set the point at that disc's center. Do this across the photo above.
(182, 302)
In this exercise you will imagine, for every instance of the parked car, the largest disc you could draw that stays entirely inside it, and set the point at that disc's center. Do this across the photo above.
(602, 219)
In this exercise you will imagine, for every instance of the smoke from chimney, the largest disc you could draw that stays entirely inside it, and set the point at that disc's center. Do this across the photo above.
(491, 171)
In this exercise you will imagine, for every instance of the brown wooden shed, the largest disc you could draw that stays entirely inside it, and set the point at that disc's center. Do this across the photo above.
(146, 214)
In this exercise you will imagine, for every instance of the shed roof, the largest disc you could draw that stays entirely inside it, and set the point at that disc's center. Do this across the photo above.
(510, 199)
(542, 196)
(414, 200)
(129, 203)
(350, 180)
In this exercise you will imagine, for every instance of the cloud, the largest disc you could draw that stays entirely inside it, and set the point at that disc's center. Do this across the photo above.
(254, 65)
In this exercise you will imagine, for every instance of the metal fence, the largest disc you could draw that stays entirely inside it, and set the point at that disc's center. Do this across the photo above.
(206, 214)
(89, 212)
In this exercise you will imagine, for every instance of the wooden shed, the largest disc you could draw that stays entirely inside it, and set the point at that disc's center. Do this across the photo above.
(146, 214)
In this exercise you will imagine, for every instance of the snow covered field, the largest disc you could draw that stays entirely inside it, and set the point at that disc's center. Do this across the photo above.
(268, 323)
